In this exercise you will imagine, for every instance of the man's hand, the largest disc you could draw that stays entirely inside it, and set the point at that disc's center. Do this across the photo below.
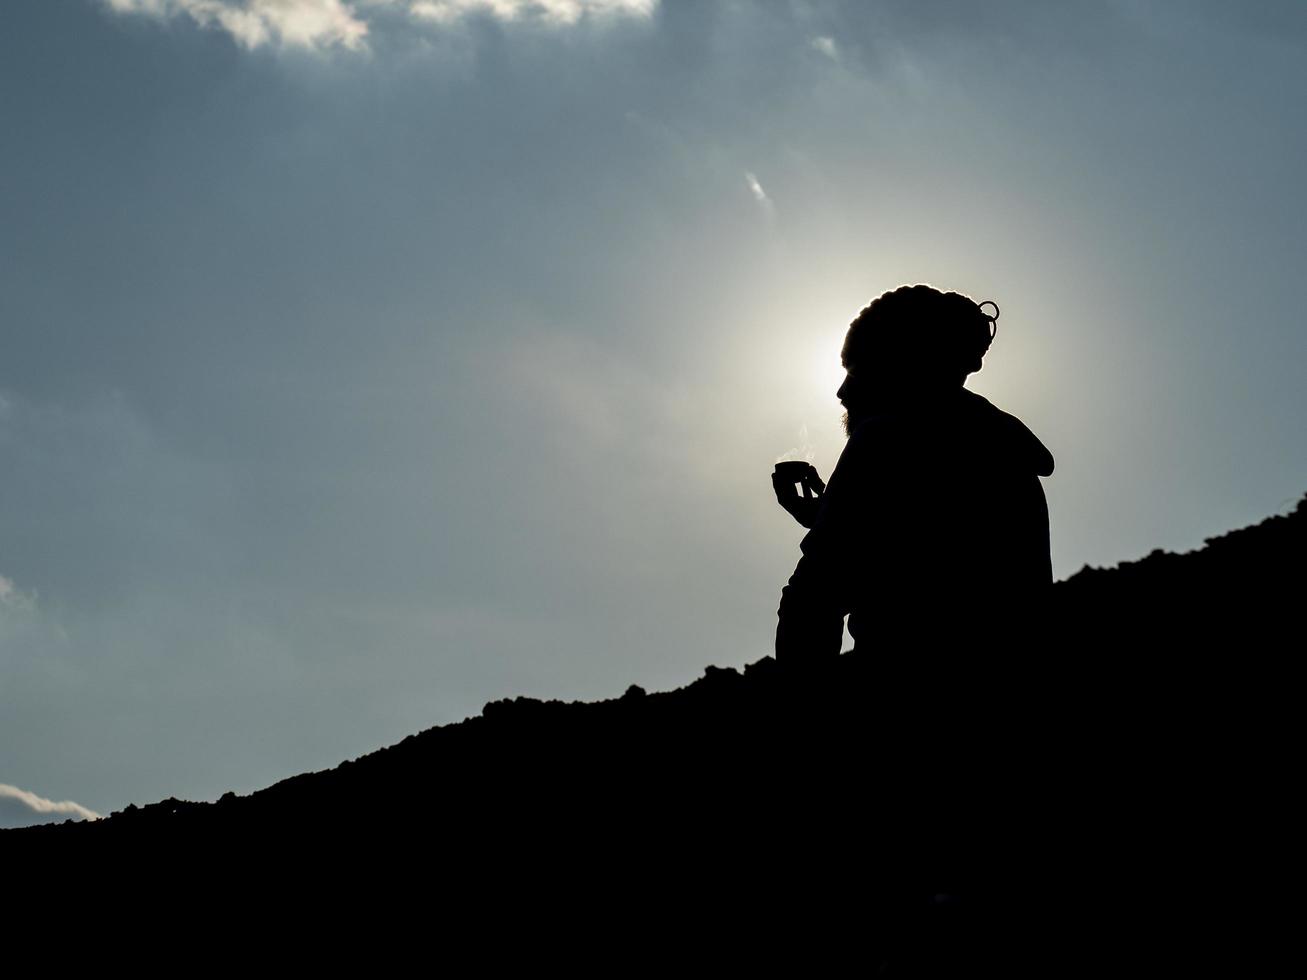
(791, 477)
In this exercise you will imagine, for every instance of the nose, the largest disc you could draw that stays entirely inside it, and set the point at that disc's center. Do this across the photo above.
(844, 389)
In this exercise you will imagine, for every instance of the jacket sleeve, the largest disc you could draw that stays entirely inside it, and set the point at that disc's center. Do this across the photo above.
(810, 622)
(820, 592)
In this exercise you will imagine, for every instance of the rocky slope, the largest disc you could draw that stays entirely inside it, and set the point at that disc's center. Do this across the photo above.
(1110, 777)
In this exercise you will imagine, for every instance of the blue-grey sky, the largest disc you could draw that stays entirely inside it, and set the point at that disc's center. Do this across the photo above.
(366, 360)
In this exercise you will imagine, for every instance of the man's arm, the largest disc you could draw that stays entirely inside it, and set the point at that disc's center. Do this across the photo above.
(810, 628)
(820, 592)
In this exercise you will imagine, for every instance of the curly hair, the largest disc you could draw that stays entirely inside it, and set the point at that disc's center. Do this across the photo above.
(923, 330)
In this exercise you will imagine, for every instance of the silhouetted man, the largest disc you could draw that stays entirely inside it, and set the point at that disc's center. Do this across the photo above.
(934, 524)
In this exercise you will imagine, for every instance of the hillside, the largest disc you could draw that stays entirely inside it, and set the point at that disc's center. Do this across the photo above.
(1117, 767)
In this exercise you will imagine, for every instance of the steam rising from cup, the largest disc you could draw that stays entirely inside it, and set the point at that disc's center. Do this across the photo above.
(804, 452)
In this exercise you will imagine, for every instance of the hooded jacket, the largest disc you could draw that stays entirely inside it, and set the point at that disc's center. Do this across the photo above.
(933, 515)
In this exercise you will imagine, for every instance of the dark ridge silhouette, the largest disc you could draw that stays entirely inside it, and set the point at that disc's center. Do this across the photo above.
(1110, 788)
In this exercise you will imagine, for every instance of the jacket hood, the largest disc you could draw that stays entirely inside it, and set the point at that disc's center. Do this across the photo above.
(1022, 445)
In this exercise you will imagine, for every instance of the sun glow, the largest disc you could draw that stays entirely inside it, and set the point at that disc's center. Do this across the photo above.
(825, 370)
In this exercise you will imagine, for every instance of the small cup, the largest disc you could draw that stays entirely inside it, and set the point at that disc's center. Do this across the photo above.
(793, 471)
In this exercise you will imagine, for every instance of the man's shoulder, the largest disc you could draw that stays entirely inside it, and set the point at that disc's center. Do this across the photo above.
(1010, 435)
(939, 432)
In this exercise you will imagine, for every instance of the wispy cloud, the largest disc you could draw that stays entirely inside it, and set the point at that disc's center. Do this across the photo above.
(6, 588)
(22, 623)
(12, 598)
(320, 24)
(759, 195)
(826, 46)
(557, 11)
(20, 808)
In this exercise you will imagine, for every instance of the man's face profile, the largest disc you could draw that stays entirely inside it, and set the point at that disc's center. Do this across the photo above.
(853, 396)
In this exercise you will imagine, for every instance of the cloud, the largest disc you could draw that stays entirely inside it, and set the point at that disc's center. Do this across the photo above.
(319, 24)
(826, 46)
(556, 11)
(10, 596)
(759, 195)
(288, 23)
(17, 608)
(19, 808)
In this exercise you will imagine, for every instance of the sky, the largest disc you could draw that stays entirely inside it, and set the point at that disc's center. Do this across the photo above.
(363, 361)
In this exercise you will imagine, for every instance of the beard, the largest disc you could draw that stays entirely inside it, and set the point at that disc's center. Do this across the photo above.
(848, 425)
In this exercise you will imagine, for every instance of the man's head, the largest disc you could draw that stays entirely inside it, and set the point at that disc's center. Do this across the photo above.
(911, 343)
